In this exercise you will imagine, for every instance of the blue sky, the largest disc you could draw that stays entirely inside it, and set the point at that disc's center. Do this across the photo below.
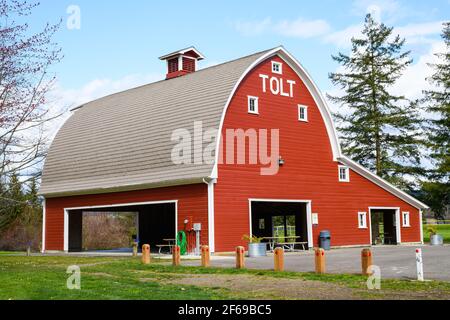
(119, 42)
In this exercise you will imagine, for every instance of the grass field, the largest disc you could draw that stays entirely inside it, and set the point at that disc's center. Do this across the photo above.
(442, 229)
(45, 277)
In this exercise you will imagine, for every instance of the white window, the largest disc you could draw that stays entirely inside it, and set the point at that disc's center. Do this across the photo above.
(302, 113)
(277, 67)
(344, 175)
(362, 220)
(253, 105)
(405, 218)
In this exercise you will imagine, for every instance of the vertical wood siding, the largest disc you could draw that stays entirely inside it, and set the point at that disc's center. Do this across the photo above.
(308, 174)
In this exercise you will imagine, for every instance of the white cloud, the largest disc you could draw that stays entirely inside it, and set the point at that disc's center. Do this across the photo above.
(415, 33)
(420, 29)
(298, 28)
(381, 9)
(301, 28)
(375, 11)
(97, 88)
(252, 28)
(413, 80)
(342, 38)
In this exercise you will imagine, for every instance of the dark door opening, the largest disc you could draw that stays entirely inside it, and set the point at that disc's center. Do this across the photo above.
(154, 225)
(284, 221)
(384, 229)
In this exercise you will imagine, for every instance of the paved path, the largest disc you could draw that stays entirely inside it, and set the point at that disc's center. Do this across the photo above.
(394, 261)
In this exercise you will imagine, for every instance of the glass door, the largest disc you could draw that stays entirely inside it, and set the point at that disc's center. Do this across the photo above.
(283, 228)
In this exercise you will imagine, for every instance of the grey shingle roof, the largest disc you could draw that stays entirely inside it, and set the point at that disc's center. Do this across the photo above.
(123, 141)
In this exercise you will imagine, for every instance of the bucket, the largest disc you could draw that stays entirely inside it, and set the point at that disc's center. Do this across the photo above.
(257, 249)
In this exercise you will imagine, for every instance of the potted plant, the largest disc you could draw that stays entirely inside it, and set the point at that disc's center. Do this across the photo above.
(435, 238)
(256, 248)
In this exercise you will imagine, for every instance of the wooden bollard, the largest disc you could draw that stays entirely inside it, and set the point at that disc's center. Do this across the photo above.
(176, 256)
(205, 256)
(135, 249)
(366, 261)
(146, 254)
(320, 260)
(278, 259)
(240, 251)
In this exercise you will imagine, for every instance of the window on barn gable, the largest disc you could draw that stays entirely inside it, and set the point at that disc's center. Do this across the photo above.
(302, 113)
(344, 174)
(362, 220)
(277, 67)
(253, 105)
(405, 218)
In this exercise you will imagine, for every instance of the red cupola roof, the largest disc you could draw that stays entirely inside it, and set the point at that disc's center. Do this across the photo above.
(182, 62)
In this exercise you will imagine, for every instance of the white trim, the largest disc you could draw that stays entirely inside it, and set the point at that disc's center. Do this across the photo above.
(347, 173)
(382, 183)
(256, 101)
(66, 215)
(397, 222)
(312, 88)
(305, 113)
(211, 226)
(364, 226)
(309, 224)
(66, 230)
(308, 214)
(280, 65)
(176, 218)
(404, 224)
(192, 58)
(126, 204)
(183, 51)
(180, 63)
(43, 225)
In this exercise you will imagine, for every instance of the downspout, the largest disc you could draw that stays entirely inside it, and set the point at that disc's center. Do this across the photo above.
(210, 183)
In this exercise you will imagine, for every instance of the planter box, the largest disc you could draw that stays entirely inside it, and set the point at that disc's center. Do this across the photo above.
(257, 249)
(436, 240)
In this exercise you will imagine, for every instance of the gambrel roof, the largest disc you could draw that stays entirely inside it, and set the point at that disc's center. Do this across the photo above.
(123, 141)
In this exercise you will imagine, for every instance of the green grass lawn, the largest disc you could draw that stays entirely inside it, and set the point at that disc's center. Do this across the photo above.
(44, 277)
(442, 229)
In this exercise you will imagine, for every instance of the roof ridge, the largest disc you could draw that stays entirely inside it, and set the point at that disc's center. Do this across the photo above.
(163, 80)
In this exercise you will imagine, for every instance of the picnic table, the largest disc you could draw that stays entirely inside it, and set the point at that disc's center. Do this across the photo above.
(170, 244)
(288, 245)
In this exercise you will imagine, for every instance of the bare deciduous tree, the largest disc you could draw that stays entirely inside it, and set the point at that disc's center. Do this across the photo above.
(25, 81)
(24, 84)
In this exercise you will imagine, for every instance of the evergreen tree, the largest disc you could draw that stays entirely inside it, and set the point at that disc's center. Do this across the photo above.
(380, 130)
(12, 202)
(437, 189)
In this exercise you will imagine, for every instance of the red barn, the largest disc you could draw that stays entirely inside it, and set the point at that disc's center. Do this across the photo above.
(244, 147)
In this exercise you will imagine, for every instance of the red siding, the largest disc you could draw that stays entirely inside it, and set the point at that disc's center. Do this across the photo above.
(192, 202)
(308, 174)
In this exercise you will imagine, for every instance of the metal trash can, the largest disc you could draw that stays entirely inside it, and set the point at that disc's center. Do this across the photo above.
(436, 240)
(325, 239)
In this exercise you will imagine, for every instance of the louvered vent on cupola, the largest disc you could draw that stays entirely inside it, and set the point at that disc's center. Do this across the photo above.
(182, 62)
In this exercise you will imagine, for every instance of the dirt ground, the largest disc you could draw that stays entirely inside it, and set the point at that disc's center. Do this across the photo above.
(259, 287)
